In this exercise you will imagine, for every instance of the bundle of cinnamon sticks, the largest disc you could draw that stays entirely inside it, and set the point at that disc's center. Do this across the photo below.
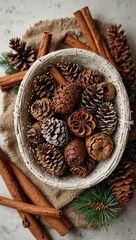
(88, 28)
(90, 33)
(20, 186)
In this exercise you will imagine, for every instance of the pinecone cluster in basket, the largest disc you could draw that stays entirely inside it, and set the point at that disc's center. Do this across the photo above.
(72, 123)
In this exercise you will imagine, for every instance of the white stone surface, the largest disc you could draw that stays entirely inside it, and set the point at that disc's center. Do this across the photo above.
(15, 17)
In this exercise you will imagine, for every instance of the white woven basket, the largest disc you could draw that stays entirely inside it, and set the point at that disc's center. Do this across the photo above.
(22, 117)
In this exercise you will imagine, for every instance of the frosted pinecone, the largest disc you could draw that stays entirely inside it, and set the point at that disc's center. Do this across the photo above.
(55, 132)
(106, 118)
(92, 97)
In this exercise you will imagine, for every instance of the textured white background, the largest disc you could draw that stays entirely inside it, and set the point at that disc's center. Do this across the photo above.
(15, 17)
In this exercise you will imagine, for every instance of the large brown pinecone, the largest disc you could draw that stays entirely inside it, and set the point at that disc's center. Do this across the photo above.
(106, 117)
(69, 70)
(66, 98)
(121, 182)
(75, 152)
(92, 97)
(55, 132)
(121, 52)
(44, 85)
(34, 134)
(42, 109)
(24, 56)
(51, 159)
(83, 170)
(89, 77)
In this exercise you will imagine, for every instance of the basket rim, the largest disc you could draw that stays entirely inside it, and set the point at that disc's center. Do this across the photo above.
(58, 182)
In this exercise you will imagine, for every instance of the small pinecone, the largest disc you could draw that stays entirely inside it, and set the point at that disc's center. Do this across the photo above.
(51, 159)
(109, 91)
(81, 123)
(121, 182)
(24, 56)
(121, 52)
(89, 77)
(55, 132)
(69, 70)
(99, 146)
(106, 117)
(75, 152)
(92, 97)
(42, 109)
(44, 85)
(83, 170)
(66, 98)
(34, 133)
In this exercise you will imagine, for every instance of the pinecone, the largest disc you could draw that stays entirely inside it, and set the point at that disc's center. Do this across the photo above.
(69, 70)
(92, 97)
(109, 91)
(75, 152)
(51, 159)
(24, 56)
(121, 52)
(81, 123)
(89, 77)
(66, 98)
(106, 118)
(83, 170)
(42, 109)
(55, 132)
(99, 146)
(34, 133)
(122, 182)
(44, 85)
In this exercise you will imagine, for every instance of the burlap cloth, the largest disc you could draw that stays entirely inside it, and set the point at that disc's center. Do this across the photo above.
(59, 198)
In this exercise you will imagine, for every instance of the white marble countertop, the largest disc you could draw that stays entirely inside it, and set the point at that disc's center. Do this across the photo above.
(15, 17)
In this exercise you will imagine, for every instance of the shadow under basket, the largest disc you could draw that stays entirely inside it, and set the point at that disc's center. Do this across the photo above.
(22, 120)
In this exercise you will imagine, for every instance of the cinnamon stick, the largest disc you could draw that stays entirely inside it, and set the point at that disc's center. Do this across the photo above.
(92, 28)
(27, 219)
(12, 80)
(85, 30)
(57, 75)
(109, 56)
(75, 43)
(45, 44)
(36, 197)
(29, 208)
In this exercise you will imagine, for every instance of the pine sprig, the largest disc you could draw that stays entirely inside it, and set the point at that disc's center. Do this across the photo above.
(97, 205)
(4, 63)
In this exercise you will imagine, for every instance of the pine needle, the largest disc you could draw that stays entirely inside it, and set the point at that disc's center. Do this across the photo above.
(87, 204)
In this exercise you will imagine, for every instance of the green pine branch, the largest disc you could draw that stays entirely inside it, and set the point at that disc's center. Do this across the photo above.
(4, 63)
(87, 204)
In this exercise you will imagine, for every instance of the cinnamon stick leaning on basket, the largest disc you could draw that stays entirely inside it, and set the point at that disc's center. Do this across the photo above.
(9, 81)
(61, 225)
(91, 34)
